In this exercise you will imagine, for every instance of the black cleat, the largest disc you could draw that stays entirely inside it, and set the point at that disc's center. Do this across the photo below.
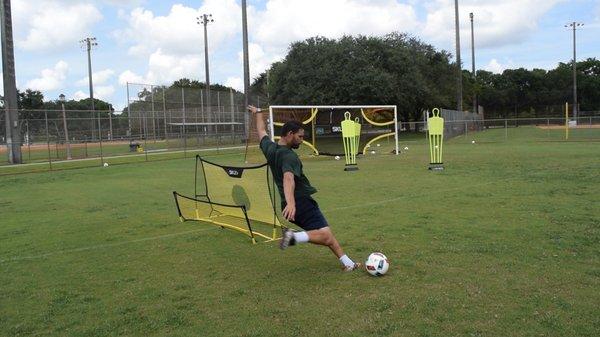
(287, 238)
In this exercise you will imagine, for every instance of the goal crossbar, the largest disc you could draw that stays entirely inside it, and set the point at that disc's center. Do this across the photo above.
(273, 123)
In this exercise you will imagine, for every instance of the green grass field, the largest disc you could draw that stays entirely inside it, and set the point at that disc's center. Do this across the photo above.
(504, 242)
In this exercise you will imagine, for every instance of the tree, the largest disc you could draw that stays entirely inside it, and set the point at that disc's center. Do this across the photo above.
(394, 69)
(30, 99)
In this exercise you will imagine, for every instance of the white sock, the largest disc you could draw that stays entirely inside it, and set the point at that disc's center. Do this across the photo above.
(345, 260)
(301, 237)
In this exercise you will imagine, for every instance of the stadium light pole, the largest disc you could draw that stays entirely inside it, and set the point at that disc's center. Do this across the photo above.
(61, 98)
(13, 135)
(246, 72)
(574, 25)
(90, 42)
(204, 20)
(473, 64)
(458, 63)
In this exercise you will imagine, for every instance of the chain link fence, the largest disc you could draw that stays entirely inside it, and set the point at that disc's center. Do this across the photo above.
(157, 120)
(179, 123)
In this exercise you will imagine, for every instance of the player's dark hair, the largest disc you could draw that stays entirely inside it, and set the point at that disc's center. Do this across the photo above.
(293, 126)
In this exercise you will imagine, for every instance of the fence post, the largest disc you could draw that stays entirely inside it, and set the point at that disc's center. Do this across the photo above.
(233, 116)
(110, 136)
(129, 133)
(183, 124)
(145, 135)
(48, 139)
(100, 139)
(153, 114)
(165, 118)
(29, 140)
(506, 130)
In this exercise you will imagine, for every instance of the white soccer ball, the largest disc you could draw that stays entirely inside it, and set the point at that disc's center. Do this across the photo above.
(378, 145)
(105, 164)
(437, 146)
(472, 142)
(372, 152)
(377, 264)
(337, 157)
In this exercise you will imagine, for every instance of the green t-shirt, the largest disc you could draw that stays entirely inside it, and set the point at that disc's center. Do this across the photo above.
(282, 159)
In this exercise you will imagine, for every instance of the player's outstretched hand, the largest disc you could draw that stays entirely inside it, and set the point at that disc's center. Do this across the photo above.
(253, 109)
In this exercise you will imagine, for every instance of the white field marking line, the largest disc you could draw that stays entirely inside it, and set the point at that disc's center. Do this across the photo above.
(108, 245)
(131, 155)
(75, 250)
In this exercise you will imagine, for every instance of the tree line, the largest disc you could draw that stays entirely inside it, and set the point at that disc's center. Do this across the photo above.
(404, 71)
(394, 69)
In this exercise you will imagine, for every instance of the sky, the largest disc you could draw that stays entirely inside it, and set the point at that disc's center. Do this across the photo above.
(158, 42)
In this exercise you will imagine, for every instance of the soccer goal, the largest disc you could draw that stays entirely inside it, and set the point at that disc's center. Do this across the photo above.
(323, 130)
(240, 198)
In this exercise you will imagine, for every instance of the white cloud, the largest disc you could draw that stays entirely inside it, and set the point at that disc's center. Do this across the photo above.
(236, 83)
(129, 76)
(104, 92)
(51, 79)
(52, 24)
(164, 68)
(286, 21)
(178, 33)
(101, 92)
(496, 23)
(259, 60)
(79, 95)
(99, 77)
(175, 47)
(124, 3)
(496, 67)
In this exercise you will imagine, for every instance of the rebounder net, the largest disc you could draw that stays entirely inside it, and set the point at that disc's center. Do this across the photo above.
(234, 197)
(323, 130)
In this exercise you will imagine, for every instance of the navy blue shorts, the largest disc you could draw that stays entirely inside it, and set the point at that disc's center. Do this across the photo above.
(308, 215)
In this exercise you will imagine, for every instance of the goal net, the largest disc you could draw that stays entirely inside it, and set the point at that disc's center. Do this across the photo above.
(323, 130)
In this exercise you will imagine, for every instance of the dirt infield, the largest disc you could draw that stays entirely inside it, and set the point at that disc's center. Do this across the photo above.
(38, 146)
(559, 127)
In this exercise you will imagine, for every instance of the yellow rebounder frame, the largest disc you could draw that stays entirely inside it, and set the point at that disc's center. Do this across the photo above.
(239, 198)
(351, 138)
(435, 129)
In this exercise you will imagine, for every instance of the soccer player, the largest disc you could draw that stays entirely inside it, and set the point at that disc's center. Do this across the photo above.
(297, 204)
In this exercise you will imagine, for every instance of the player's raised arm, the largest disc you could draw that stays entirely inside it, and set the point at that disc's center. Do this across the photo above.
(260, 122)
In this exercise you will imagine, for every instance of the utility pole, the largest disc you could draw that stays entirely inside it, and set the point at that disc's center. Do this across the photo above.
(574, 25)
(475, 110)
(90, 42)
(204, 20)
(458, 63)
(13, 135)
(246, 72)
(61, 98)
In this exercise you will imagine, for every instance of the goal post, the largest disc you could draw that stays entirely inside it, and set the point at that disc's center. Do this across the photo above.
(323, 132)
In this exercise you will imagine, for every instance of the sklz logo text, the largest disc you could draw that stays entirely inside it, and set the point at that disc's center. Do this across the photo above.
(234, 172)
